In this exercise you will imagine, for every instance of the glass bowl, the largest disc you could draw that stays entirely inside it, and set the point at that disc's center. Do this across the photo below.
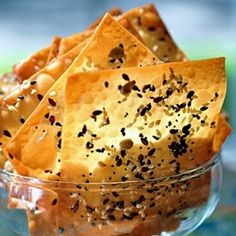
(170, 205)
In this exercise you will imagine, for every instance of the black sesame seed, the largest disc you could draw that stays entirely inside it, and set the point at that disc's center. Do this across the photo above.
(157, 99)
(75, 207)
(204, 108)
(121, 45)
(144, 169)
(10, 155)
(106, 84)
(120, 204)
(89, 145)
(186, 128)
(89, 209)
(106, 201)
(33, 82)
(115, 194)
(59, 143)
(22, 120)
(84, 130)
(100, 150)
(136, 88)
(54, 202)
(21, 97)
(169, 92)
(52, 119)
(113, 60)
(58, 124)
(140, 158)
(122, 131)
(119, 162)
(190, 94)
(125, 77)
(123, 178)
(151, 28)
(97, 112)
(40, 97)
(155, 137)
(144, 140)
(173, 131)
(151, 152)
(46, 115)
(123, 153)
(52, 102)
(7, 133)
(141, 199)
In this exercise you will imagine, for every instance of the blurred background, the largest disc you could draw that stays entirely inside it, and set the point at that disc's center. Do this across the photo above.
(202, 29)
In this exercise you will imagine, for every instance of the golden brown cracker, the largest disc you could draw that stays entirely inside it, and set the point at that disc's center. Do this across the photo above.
(154, 33)
(111, 46)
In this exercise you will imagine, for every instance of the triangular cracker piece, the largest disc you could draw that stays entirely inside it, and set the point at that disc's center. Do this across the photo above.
(35, 150)
(154, 33)
(21, 102)
(161, 118)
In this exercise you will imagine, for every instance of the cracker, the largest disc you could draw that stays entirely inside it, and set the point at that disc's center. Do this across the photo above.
(21, 102)
(96, 148)
(154, 33)
(176, 122)
(111, 46)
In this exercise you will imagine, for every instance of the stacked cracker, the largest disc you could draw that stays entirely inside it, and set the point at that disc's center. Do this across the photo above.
(112, 104)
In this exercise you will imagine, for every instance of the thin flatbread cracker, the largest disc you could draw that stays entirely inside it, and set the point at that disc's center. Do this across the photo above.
(172, 116)
(154, 33)
(54, 50)
(111, 46)
(21, 102)
(135, 124)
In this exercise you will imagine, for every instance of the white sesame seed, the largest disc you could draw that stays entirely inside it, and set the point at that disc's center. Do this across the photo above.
(11, 108)
(37, 68)
(8, 166)
(155, 47)
(33, 91)
(100, 226)
(37, 212)
(26, 86)
(53, 93)
(17, 105)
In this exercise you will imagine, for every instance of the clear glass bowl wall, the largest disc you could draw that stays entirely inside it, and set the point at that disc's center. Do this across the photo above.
(170, 205)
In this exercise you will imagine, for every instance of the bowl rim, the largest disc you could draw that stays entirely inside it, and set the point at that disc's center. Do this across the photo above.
(185, 175)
